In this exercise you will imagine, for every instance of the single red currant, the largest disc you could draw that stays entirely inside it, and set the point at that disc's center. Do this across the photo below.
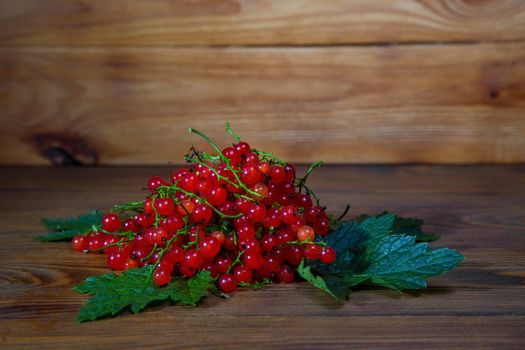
(227, 283)
(111, 222)
(328, 255)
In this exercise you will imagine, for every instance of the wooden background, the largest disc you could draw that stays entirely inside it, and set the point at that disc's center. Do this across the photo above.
(357, 81)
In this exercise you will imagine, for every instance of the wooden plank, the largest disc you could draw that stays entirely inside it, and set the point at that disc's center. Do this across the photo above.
(479, 304)
(425, 103)
(256, 22)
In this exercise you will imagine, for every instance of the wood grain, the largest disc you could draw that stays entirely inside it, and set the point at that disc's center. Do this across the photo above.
(256, 22)
(425, 103)
(478, 210)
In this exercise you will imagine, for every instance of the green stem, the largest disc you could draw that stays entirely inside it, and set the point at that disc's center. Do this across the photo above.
(270, 157)
(128, 206)
(235, 262)
(150, 254)
(234, 135)
(305, 242)
(226, 160)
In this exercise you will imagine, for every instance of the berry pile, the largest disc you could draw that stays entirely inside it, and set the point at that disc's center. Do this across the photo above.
(241, 214)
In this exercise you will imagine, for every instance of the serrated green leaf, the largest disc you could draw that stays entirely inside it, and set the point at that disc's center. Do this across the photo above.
(135, 289)
(317, 281)
(67, 228)
(405, 226)
(190, 291)
(368, 251)
(378, 226)
(412, 227)
(398, 262)
(349, 241)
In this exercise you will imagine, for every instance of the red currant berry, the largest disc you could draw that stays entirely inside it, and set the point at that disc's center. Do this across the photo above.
(305, 233)
(193, 258)
(289, 171)
(130, 264)
(111, 222)
(189, 182)
(156, 235)
(256, 212)
(245, 232)
(218, 235)
(227, 283)
(161, 277)
(328, 255)
(173, 223)
(252, 261)
(289, 215)
(232, 155)
(312, 251)
(148, 206)
(95, 243)
(250, 174)
(295, 255)
(242, 274)
(277, 174)
(155, 182)
(217, 195)
(322, 227)
(222, 264)
(117, 260)
(286, 274)
(164, 206)
(264, 167)
(250, 246)
(175, 254)
(268, 242)
(242, 148)
(201, 214)
(269, 266)
(209, 247)
(79, 243)
(130, 225)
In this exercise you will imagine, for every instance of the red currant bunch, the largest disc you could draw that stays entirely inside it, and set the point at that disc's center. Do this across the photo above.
(241, 214)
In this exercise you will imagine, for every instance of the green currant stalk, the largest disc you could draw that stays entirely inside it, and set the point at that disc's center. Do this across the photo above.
(133, 206)
(301, 183)
(226, 160)
(234, 135)
(155, 246)
(269, 157)
(235, 262)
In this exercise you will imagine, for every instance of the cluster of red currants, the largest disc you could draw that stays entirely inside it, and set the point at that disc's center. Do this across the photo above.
(240, 215)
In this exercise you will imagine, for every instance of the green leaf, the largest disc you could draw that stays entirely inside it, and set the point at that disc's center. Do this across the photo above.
(317, 281)
(190, 291)
(67, 228)
(368, 251)
(405, 226)
(378, 226)
(412, 227)
(135, 289)
(398, 262)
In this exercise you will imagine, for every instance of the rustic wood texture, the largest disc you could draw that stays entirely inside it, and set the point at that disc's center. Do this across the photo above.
(256, 22)
(477, 210)
(423, 103)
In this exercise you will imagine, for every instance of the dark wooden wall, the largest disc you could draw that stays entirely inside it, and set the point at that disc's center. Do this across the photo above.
(348, 81)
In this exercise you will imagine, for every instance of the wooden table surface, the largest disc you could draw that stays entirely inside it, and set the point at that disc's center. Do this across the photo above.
(479, 210)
